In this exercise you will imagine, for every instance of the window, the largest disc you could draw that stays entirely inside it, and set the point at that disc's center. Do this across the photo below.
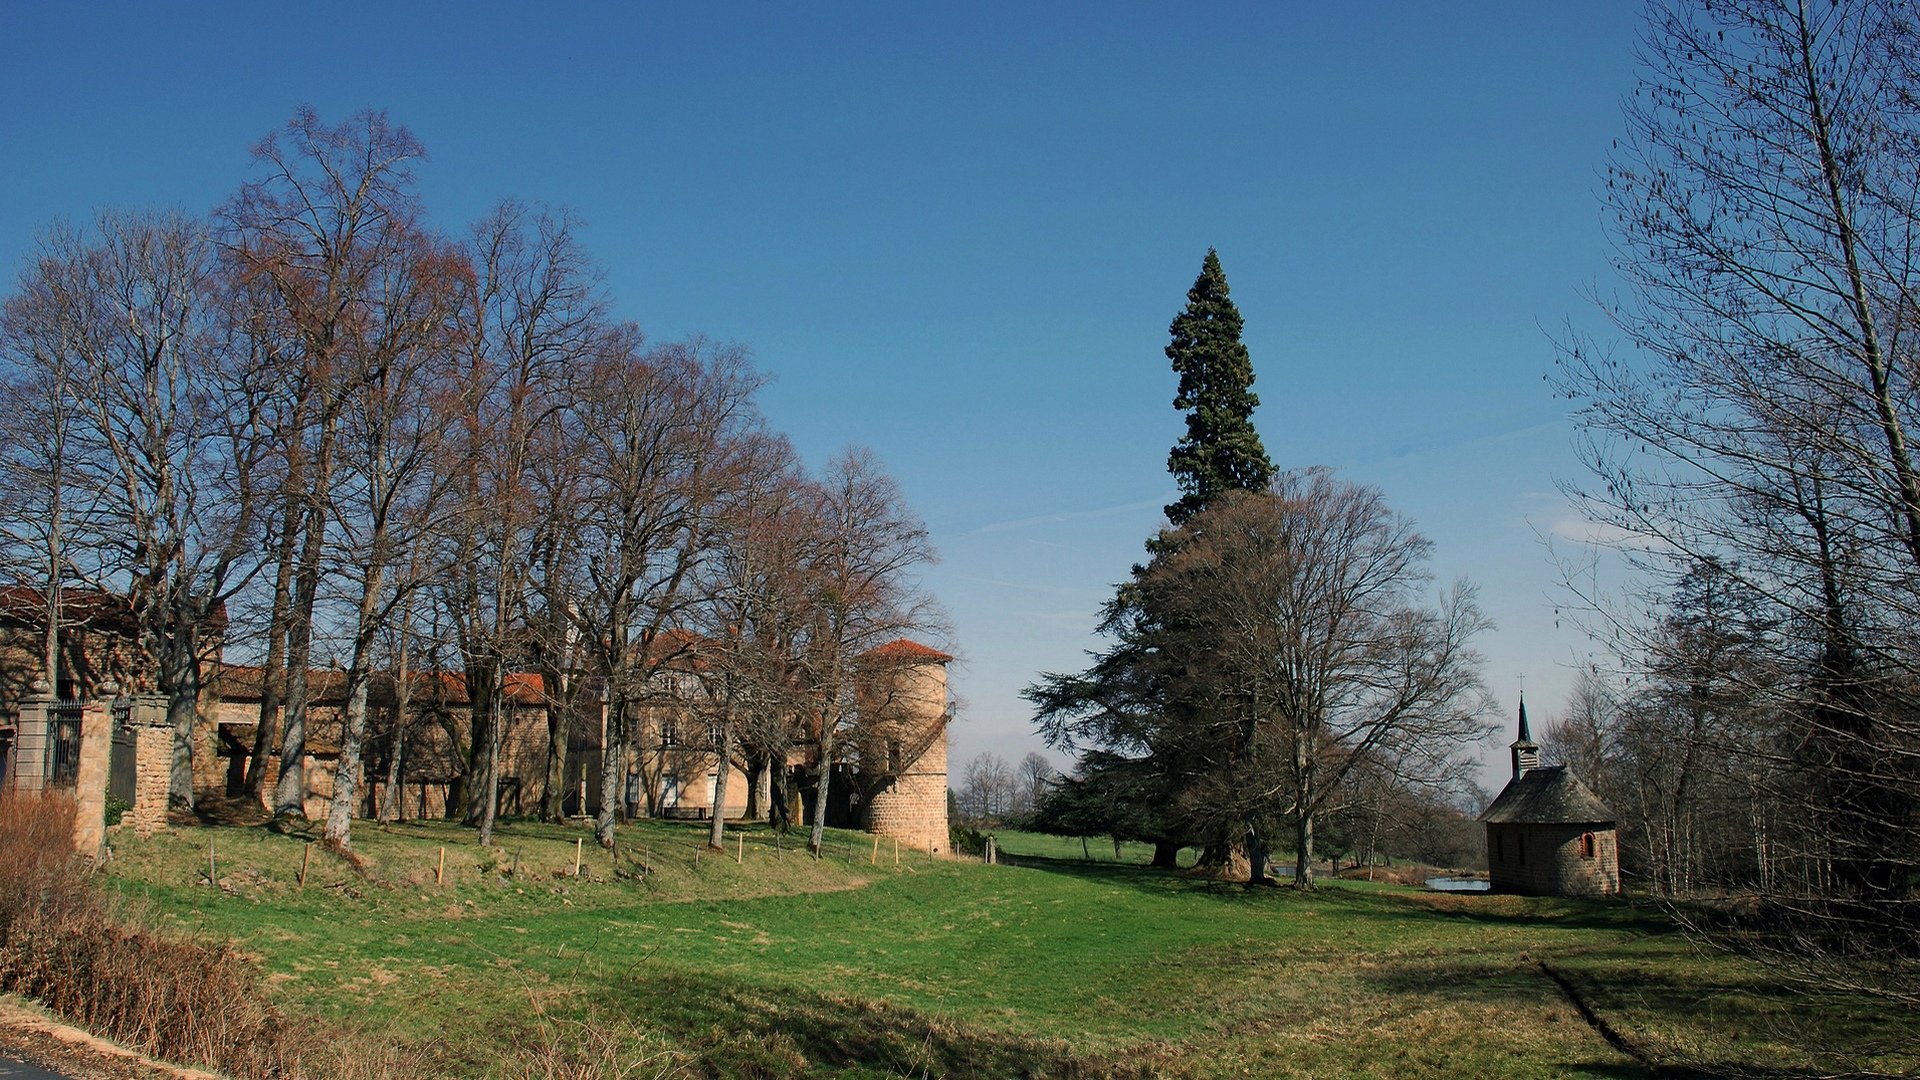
(893, 756)
(667, 733)
(1586, 845)
(1499, 847)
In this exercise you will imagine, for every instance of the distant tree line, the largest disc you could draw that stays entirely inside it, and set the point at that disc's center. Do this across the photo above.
(991, 791)
(371, 444)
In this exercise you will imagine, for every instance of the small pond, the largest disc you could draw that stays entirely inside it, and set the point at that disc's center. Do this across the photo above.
(1459, 884)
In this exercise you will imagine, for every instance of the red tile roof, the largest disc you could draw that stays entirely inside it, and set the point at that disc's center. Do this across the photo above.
(90, 607)
(909, 651)
(239, 682)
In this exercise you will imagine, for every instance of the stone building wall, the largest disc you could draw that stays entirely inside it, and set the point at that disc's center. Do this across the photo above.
(1547, 860)
(913, 808)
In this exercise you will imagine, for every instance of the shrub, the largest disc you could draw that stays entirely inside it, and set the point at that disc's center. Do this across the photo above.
(62, 944)
(962, 840)
(87, 959)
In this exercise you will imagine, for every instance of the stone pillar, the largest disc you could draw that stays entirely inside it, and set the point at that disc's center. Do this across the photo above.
(90, 782)
(153, 763)
(33, 739)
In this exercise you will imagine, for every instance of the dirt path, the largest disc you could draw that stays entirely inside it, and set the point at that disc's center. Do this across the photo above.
(28, 1034)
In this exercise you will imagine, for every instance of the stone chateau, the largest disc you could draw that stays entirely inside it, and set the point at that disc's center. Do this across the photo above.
(891, 778)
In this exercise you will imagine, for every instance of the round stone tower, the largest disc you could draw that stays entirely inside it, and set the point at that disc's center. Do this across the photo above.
(912, 807)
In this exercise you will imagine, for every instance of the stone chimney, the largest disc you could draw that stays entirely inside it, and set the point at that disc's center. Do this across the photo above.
(1526, 752)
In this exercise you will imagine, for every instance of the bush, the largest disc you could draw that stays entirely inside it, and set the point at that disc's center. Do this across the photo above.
(60, 943)
(962, 840)
(65, 944)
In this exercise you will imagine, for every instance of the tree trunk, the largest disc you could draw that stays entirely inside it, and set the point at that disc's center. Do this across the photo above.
(552, 798)
(481, 682)
(723, 749)
(180, 678)
(1166, 854)
(392, 805)
(816, 840)
(1256, 857)
(779, 803)
(290, 792)
(490, 802)
(612, 770)
(1303, 852)
(346, 774)
(273, 675)
(756, 768)
(353, 736)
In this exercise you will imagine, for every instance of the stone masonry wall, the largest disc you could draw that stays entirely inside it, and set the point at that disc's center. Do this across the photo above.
(913, 809)
(1545, 860)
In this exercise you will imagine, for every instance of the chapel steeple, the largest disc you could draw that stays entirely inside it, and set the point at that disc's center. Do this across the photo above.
(1526, 752)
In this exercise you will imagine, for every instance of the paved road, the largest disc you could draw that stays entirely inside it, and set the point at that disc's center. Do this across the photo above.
(19, 1070)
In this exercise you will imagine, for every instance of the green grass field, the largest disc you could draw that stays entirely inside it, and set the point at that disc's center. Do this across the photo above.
(1090, 849)
(771, 963)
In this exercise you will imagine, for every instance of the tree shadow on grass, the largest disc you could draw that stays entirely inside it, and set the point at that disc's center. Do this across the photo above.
(1607, 999)
(1149, 879)
(1389, 904)
(1497, 910)
(739, 1029)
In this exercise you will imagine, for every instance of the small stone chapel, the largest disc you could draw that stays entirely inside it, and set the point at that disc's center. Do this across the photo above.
(1548, 834)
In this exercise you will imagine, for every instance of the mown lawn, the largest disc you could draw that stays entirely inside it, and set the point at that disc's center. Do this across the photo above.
(1088, 849)
(783, 965)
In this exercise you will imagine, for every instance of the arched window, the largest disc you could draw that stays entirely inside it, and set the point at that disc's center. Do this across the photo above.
(1586, 845)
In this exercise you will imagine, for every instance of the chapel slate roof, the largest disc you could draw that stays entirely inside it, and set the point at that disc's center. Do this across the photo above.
(1547, 795)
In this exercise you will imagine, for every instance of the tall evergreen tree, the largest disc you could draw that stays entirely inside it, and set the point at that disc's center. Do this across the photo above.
(1220, 451)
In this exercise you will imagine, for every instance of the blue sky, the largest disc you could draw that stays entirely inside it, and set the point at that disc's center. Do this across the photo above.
(957, 233)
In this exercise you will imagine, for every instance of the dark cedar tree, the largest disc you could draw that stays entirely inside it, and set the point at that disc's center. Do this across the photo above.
(1220, 451)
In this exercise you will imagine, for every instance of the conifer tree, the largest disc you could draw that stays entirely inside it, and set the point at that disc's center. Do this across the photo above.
(1220, 451)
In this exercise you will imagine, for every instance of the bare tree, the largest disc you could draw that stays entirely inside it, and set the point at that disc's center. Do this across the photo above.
(40, 389)
(988, 787)
(390, 488)
(163, 442)
(1759, 418)
(533, 313)
(862, 594)
(328, 224)
(660, 436)
(747, 619)
(1036, 773)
